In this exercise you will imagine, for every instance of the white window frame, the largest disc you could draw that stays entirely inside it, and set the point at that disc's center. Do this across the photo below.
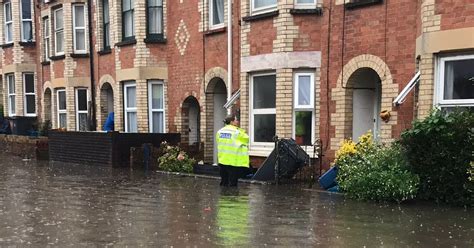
(305, 5)
(211, 16)
(29, 94)
(125, 103)
(76, 28)
(57, 31)
(439, 81)
(9, 23)
(30, 20)
(261, 10)
(151, 110)
(259, 111)
(77, 106)
(61, 111)
(310, 107)
(11, 94)
(46, 37)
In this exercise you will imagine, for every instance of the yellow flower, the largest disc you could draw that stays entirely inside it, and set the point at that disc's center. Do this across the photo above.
(348, 148)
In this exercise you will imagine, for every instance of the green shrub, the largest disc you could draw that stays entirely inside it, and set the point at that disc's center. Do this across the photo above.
(377, 173)
(440, 150)
(174, 159)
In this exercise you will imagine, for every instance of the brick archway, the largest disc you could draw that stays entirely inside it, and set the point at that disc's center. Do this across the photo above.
(341, 120)
(106, 86)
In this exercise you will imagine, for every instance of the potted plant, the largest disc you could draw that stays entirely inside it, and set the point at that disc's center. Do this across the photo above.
(300, 130)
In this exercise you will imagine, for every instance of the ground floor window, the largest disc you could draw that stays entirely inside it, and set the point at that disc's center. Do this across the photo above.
(81, 109)
(30, 95)
(156, 106)
(61, 109)
(263, 108)
(455, 82)
(303, 115)
(11, 94)
(130, 109)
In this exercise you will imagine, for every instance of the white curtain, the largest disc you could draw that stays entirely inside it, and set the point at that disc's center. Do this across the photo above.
(131, 97)
(448, 81)
(218, 11)
(157, 96)
(158, 122)
(132, 122)
(304, 90)
(27, 34)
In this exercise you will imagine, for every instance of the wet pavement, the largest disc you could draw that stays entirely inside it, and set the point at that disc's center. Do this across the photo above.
(66, 205)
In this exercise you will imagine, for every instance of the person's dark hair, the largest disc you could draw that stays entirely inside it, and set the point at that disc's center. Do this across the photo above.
(228, 119)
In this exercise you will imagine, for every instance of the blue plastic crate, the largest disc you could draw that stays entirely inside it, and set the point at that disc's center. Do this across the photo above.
(328, 179)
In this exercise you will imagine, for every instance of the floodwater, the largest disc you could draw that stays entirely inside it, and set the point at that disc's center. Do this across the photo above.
(65, 205)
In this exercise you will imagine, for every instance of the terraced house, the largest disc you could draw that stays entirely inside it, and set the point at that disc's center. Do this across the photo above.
(306, 69)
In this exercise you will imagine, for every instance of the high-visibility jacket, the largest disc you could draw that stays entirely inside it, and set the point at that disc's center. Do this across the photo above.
(232, 146)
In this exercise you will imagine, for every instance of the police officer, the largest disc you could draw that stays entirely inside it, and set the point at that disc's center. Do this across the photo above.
(232, 151)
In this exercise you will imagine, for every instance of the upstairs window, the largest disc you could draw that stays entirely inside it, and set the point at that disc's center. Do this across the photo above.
(262, 6)
(216, 13)
(106, 23)
(11, 94)
(302, 4)
(128, 29)
(46, 39)
(7, 6)
(26, 21)
(30, 95)
(79, 26)
(155, 18)
(58, 32)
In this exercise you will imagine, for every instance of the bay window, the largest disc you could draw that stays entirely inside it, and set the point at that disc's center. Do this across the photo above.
(156, 105)
(61, 108)
(263, 108)
(26, 21)
(216, 13)
(7, 11)
(303, 108)
(155, 18)
(30, 95)
(11, 94)
(79, 27)
(58, 32)
(130, 103)
(46, 39)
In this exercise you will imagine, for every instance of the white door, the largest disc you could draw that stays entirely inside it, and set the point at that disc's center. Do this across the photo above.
(364, 102)
(219, 115)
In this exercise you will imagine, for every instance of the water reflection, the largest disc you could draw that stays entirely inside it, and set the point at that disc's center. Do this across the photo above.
(55, 204)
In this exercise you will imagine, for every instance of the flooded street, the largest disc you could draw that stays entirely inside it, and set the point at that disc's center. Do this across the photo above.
(65, 205)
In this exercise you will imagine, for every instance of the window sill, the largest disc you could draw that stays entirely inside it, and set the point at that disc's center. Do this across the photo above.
(159, 40)
(362, 3)
(126, 42)
(260, 16)
(6, 45)
(105, 51)
(315, 11)
(215, 31)
(79, 55)
(46, 63)
(27, 43)
(58, 57)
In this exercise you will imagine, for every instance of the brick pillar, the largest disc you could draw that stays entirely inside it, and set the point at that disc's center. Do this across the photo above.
(284, 103)
(142, 106)
(71, 108)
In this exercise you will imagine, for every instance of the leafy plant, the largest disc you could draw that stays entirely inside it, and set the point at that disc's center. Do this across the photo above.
(440, 149)
(174, 159)
(374, 172)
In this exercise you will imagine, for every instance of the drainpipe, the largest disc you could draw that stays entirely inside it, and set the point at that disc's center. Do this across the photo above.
(91, 64)
(229, 52)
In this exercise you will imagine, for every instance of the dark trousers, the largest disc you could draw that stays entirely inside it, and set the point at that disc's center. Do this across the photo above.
(229, 175)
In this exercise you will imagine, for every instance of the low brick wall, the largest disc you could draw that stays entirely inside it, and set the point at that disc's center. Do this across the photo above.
(24, 146)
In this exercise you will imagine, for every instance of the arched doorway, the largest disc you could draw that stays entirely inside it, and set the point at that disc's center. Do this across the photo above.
(47, 105)
(106, 101)
(366, 102)
(216, 95)
(191, 121)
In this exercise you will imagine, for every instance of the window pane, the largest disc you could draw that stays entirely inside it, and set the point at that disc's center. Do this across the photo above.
(304, 90)
(303, 127)
(132, 122)
(304, 1)
(11, 84)
(264, 127)
(79, 16)
(59, 19)
(9, 32)
(27, 33)
(62, 120)
(80, 40)
(59, 42)
(131, 97)
(30, 104)
(106, 35)
(46, 27)
(154, 22)
(82, 119)
(157, 96)
(29, 83)
(264, 92)
(155, 3)
(459, 79)
(264, 3)
(106, 11)
(157, 122)
(62, 100)
(82, 100)
(217, 11)
(126, 5)
(128, 24)
(8, 12)
(12, 105)
(26, 9)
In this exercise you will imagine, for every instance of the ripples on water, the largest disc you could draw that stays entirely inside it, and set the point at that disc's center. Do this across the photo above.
(55, 204)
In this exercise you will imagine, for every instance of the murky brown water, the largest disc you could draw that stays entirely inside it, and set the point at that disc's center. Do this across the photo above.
(66, 205)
